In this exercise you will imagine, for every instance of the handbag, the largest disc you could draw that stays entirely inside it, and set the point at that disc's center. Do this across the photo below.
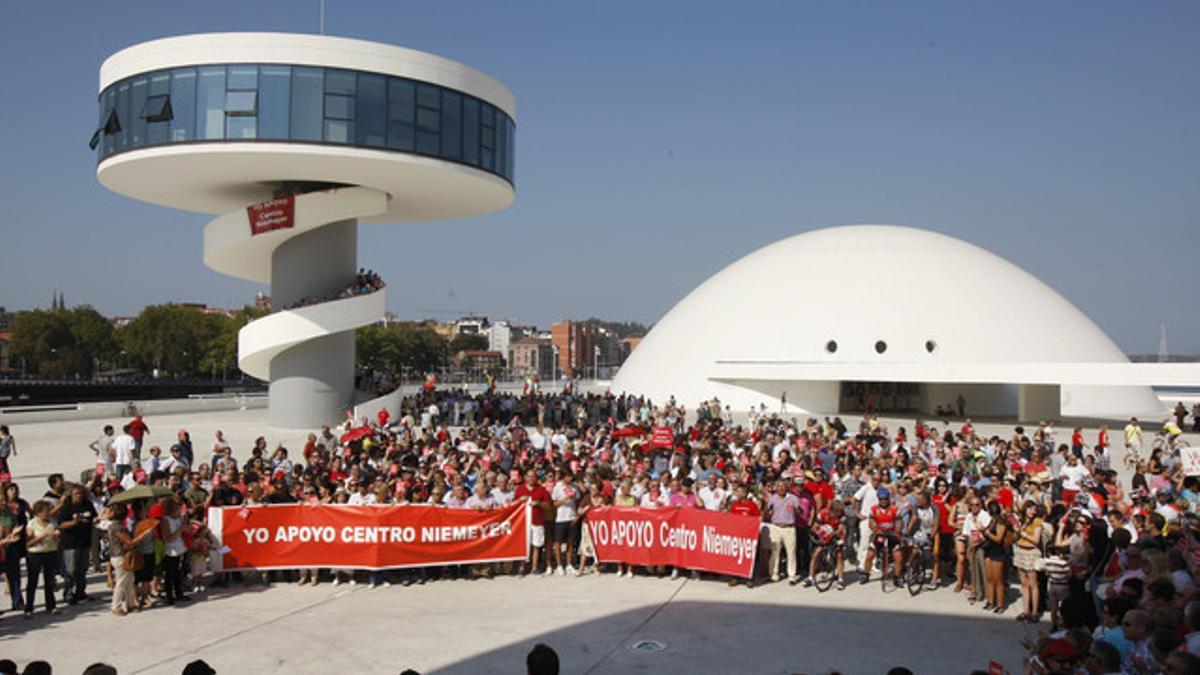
(132, 561)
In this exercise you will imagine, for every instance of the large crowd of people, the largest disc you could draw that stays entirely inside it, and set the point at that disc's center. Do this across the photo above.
(1106, 566)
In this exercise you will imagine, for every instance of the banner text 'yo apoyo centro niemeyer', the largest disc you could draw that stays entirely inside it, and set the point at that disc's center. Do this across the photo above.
(367, 537)
(693, 539)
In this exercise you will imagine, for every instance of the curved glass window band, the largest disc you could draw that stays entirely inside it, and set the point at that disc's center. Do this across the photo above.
(281, 103)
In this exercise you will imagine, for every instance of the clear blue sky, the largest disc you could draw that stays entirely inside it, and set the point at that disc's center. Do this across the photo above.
(659, 141)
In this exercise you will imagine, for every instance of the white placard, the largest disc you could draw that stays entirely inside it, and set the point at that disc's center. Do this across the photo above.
(1191, 461)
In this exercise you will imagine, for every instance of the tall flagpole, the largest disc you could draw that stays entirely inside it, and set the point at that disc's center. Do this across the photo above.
(322, 17)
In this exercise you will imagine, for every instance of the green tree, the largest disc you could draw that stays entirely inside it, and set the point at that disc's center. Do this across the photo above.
(623, 329)
(397, 346)
(62, 342)
(221, 351)
(171, 338)
(468, 342)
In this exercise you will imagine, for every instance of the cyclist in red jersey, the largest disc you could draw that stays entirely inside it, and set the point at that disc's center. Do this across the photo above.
(885, 517)
(829, 530)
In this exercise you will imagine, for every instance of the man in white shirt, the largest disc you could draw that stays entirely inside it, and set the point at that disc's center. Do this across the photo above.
(121, 452)
(103, 447)
(537, 440)
(1072, 476)
(866, 499)
(174, 461)
(565, 496)
(976, 521)
(361, 497)
(502, 494)
(559, 440)
(712, 496)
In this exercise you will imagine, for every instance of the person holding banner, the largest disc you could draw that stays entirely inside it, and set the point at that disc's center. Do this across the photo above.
(683, 497)
(743, 504)
(539, 499)
(566, 499)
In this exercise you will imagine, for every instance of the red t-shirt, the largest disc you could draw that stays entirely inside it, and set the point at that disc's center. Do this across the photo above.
(1005, 497)
(825, 517)
(745, 507)
(537, 494)
(820, 488)
(138, 428)
(944, 524)
(885, 519)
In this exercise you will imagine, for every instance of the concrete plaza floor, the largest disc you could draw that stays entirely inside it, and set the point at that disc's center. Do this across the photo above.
(594, 622)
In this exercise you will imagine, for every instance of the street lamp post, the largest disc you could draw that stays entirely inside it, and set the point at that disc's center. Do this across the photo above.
(554, 364)
(596, 362)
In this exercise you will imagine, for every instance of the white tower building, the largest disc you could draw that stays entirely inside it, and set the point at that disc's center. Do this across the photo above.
(291, 141)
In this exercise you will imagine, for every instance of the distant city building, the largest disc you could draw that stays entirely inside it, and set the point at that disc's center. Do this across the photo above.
(576, 343)
(630, 343)
(471, 325)
(262, 302)
(467, 325)
(612, 353)
(499, 335)
(502, 334)
(205, 309)
(5, 349)
(531, 357)
(446, 330)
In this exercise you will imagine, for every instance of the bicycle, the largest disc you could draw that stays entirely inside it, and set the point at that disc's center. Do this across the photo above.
(1131, 459)
(130, 410)
(1171, 444)
(918, 569)
(825, 563)
(885, 564)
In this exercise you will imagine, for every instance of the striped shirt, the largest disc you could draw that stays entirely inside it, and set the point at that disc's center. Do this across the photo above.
(1058, 571)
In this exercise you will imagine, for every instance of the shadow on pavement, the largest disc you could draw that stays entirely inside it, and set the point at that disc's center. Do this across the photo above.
(744, 638)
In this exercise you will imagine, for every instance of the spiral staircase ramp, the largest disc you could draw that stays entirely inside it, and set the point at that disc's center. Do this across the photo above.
(303, 346)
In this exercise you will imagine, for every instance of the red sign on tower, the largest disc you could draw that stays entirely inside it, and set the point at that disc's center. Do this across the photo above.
(273, 214)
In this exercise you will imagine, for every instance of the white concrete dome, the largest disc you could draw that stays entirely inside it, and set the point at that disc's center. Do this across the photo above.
(831, 296)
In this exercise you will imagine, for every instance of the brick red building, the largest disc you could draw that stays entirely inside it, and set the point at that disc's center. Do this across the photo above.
(576, 343)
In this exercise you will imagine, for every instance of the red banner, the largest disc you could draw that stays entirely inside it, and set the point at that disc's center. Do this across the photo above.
(693, 539)
(662, 437)
(367, 537)
(273, 214)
